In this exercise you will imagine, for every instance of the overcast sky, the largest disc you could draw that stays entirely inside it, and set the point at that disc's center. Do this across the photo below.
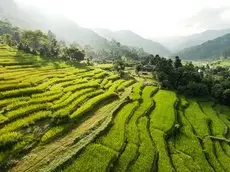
(149, 18)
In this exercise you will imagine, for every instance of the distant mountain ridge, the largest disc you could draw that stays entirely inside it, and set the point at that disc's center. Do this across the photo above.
(208, 50)
(179, 43)
(71, 32)
(130, 38)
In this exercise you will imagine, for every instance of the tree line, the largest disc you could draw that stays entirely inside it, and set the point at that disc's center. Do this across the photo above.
(38, 43)
(46, 44)
(191, 80)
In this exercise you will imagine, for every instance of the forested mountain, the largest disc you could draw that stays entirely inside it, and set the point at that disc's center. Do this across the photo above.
(179, 43)
(130, 38)
(210, 49)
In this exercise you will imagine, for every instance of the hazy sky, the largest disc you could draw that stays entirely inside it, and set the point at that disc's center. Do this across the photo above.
(150, 18)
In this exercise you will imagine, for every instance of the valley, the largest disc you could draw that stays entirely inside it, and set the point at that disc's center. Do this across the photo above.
(66, 118)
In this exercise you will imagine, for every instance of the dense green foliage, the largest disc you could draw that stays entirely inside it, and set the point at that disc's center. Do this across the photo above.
(37, 42)
(192, 80)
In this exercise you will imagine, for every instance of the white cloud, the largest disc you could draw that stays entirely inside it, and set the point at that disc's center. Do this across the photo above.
(150, 18)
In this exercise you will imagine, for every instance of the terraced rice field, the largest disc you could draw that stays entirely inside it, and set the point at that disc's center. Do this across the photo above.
(58, 117)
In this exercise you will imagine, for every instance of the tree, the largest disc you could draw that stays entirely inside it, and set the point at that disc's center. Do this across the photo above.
(177, 62)
(119, 66)
(138, 68)
(7, 39)
(52, 45)
(74, 54)
(226, 97)
(196, 89)
(217, 91)
(34, 39)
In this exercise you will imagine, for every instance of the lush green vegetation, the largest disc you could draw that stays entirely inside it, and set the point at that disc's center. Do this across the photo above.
(58, 117)
(193, 81)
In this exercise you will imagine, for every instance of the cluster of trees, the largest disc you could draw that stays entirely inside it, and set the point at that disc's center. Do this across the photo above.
(192, 80)
(36, 42)
(114, 51)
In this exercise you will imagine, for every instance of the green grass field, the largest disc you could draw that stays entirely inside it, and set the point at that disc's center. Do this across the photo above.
(56, 116)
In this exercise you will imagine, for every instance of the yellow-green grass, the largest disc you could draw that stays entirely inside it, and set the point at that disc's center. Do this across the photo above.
(147, 158)
(164, 162)
(92, 103)
(104, 66)
(95, 157)
(182, 161)
(197, 118)
(136, 92)
(52, 133)
(132, 129)
(116, 84)
(68, 83)
(64, 102)
(5, 102)
(108, 84)
(3, 118)
(200, 123)
(223, 158)
(25, 122)
(20, 92)
(113, 77)
(37, 100)
(4, 87)
(163, 116)
(59, 151)
(162, 120)
(223, 114)
(188, 150)
(115, 137)
(68, 110)
(81, 86)
(145, 106)
(101, 75)
(63, 98)
(126, 158)
(125, 84)
(23, 111)
(127, 144)
(217, 126)
(104, 82)
(9, 138)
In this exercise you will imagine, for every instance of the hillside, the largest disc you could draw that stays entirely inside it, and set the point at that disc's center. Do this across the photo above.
(58, 117)
(64, 28)
(130, 38)
(208, 50)
(182, 42)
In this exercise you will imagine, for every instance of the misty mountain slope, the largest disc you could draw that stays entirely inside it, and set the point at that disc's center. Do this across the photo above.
(207, 50)
(68, 30)
(63, 28)
(130, 38)
(179, 43)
